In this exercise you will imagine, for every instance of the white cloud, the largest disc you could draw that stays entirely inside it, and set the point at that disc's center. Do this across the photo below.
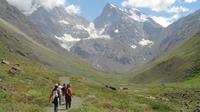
(50, 4)
(155, 5)
(165, 21)
(73, 9)
(25, 6)
(190, 1)
(165, 6)
(177, 9)
(29, 6)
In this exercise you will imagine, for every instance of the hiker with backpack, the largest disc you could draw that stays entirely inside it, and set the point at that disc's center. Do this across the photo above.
(54, 97)
(63, 92)
(60, 91)
(68, 96)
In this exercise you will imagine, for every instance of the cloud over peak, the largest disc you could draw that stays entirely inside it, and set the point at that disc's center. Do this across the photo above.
(177, 9)
(73, 9)
(163, 12)
(190, 1)
(29, 6)
(164, 21)
(155, 5)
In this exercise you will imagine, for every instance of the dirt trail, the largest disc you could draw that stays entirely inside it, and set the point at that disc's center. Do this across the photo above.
(76, 101)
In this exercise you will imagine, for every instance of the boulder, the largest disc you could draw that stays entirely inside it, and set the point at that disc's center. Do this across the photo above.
(106, 86)
(111, 87)
(123, 88)
(197, 108)
(164, 99)
(91, 97)
(15, 69)
(2, 89)
(3, 61)
(150, 97)
(13, 72)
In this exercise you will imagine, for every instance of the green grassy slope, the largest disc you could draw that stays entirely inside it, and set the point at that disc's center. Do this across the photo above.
(179, 65)
(106, 100)
(26, 91)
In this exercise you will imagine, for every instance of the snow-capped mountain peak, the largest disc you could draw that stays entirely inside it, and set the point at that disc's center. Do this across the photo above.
(119, 36)
(110, 5)
(132, 13)
(135, 14)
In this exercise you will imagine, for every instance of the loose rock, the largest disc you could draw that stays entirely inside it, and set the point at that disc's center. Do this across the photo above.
(151, 97)
(197, 108)
(111, 87)
(15, 69)
(3, 61)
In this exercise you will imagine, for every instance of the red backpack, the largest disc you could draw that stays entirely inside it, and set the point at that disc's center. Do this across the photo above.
(69, 91)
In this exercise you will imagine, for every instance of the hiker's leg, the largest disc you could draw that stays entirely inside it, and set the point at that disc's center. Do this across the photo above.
(60, 100)
(66, 102)
(70, 104)
(62, 97)
(70, 101)
(56, 104)
(55, 107)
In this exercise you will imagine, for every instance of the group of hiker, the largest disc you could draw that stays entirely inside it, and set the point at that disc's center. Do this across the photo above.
(61, 93)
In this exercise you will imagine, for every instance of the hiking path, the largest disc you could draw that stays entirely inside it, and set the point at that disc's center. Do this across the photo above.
(76, 101)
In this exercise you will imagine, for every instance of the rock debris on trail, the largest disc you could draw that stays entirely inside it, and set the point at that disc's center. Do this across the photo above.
(76, 101)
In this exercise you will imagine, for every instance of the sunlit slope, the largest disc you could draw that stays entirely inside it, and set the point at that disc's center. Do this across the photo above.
(27, 90)
(181, 64)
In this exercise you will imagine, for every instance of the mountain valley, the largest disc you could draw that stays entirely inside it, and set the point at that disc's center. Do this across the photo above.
(122, 61)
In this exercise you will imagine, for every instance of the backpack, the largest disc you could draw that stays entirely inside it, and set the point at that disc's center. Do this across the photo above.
(64, 90)
(55, 94)
(69, 92)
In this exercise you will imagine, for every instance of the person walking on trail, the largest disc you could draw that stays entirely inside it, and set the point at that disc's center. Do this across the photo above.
(63, 92)
(60, 95)
(54, 97)
(68, 97)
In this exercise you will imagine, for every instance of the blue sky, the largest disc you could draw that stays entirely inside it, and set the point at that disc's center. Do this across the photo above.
(165, 12)
(92, 8)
